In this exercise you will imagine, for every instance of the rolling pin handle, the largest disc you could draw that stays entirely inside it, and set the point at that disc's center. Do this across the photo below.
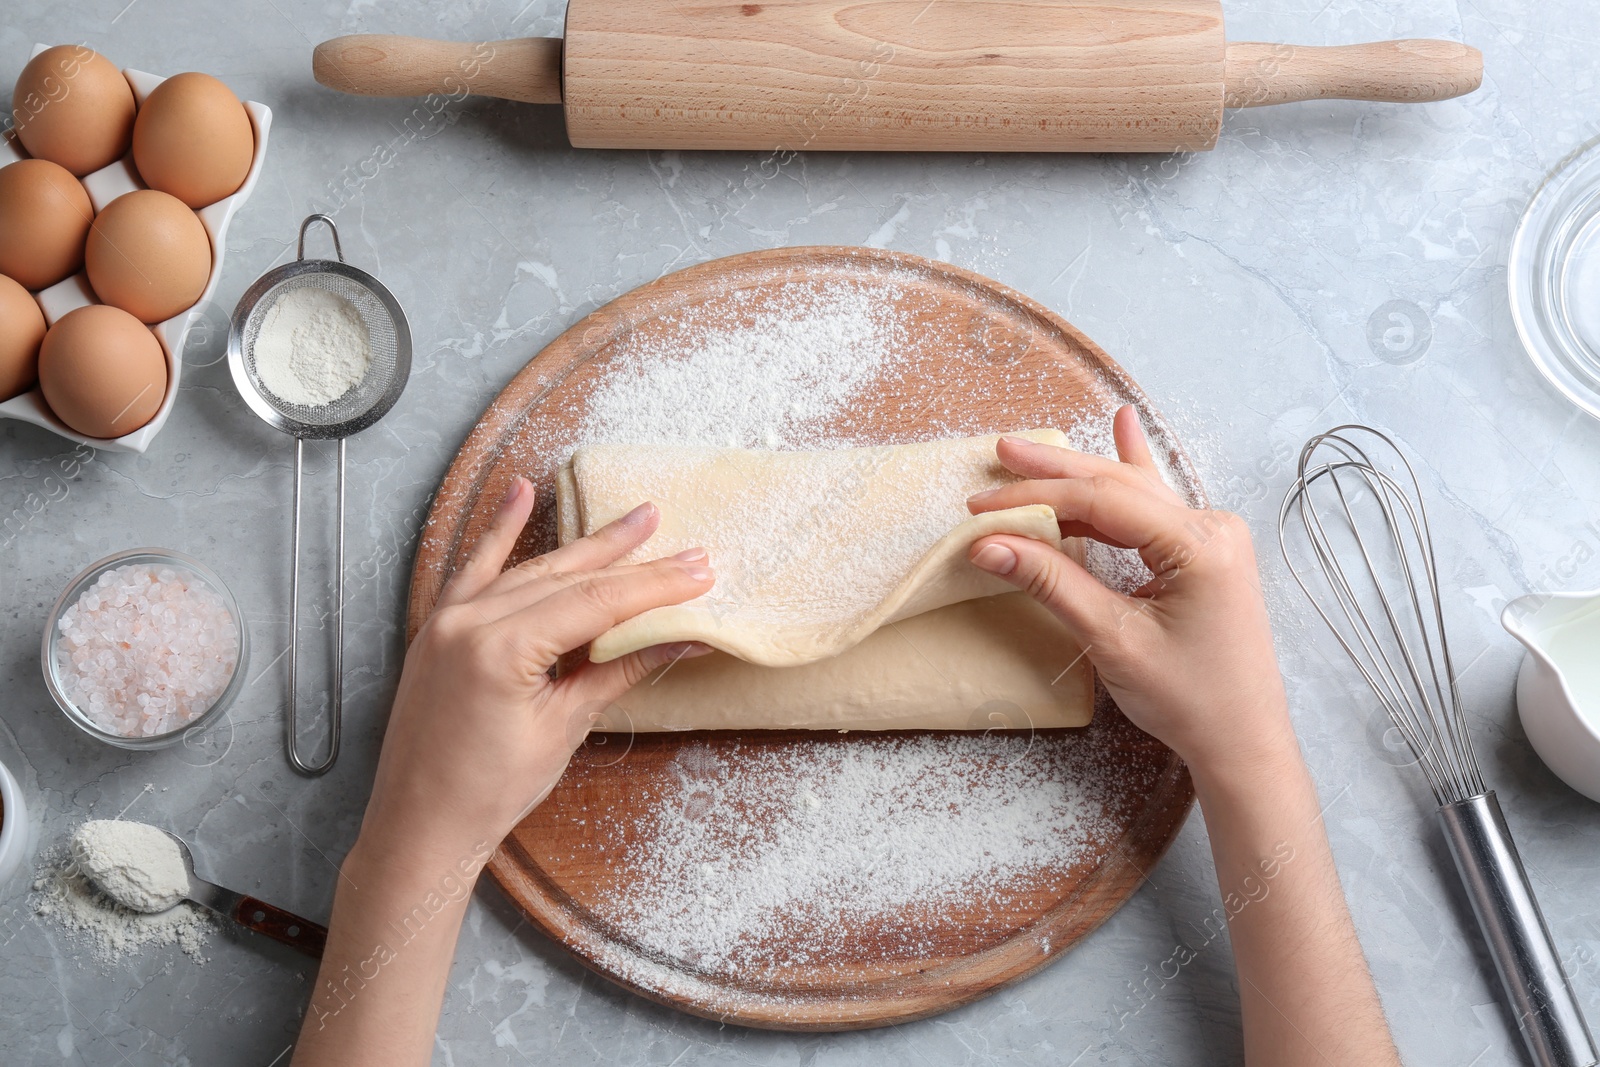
(375, 64)
(1408, 72)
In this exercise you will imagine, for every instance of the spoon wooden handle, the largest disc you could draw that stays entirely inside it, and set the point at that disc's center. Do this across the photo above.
(280, 925)
(375, 64)
(1409, 71)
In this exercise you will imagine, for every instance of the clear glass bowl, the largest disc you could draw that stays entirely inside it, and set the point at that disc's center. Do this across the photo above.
(1554, 276)
(76, 588)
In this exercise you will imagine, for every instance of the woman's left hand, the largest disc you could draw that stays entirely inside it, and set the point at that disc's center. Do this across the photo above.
(480, 731)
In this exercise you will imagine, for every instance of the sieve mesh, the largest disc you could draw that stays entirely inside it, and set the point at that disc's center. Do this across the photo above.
(381, 338)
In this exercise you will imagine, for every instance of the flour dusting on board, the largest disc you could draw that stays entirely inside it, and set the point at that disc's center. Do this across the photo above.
(765, 858)
(768, 383)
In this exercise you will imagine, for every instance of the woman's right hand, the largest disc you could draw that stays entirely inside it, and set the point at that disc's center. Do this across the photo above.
(1189, 656)
(480, 731)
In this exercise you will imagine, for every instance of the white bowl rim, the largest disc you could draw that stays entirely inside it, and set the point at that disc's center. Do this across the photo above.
(14, 817)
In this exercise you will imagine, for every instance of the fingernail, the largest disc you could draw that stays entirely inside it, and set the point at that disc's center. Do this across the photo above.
(1016, 441)
(513, 493)
(996, 559)
(978, 498)
(699, 574)
(637, 515)
(689, 555)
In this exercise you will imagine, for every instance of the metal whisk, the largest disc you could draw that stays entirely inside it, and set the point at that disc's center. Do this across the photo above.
(1378, 591)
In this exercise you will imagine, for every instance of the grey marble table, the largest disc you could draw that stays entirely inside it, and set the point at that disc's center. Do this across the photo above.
(1328, 261)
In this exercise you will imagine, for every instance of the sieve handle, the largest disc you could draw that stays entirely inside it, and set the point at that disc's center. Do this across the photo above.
(1530, 970)
(336, 704)
(300, 250)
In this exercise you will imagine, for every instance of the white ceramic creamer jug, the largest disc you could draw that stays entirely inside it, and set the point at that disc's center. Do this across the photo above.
(1558, 687)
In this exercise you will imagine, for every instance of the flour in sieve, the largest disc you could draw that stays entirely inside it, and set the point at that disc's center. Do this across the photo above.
(313, 347)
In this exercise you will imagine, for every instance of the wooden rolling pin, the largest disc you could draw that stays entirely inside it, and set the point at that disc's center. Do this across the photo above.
(898, 75)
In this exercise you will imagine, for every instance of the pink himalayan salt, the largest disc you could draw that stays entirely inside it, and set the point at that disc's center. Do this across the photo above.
(146, 649)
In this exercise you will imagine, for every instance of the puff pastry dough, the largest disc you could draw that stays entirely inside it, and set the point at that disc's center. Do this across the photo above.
(993, 663)
(844, 598)
(813, 550)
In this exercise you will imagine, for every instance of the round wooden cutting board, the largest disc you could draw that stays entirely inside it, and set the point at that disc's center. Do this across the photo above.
(974, 357)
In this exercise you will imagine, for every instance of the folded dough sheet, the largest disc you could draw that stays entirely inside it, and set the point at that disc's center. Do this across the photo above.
(844, 599)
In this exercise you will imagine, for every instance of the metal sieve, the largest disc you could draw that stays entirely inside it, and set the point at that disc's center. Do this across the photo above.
(365, 403)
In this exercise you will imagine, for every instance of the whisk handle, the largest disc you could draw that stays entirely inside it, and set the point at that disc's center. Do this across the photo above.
(1547, 1013)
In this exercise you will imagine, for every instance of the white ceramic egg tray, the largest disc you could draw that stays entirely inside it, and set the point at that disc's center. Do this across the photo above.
(104, 186)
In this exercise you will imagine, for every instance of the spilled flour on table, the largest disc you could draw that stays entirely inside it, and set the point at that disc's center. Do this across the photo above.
(105, 929)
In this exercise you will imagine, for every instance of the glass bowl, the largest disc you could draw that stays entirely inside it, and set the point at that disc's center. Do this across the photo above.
(75, 590)
(1554, 276)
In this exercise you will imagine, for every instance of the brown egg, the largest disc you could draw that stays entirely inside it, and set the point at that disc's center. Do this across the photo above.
(44, 217)
(21, 330)
(72, 107)
(193, 139)
(149, 255)
(102, 371)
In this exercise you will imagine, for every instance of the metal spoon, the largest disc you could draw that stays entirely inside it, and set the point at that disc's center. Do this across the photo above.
(250, 913)
(247, 911)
